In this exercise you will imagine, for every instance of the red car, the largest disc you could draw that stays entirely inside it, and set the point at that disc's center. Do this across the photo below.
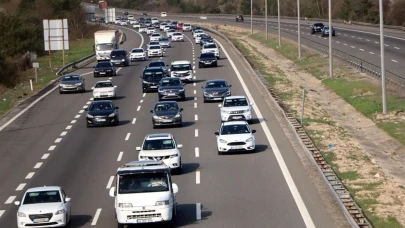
(180, 26)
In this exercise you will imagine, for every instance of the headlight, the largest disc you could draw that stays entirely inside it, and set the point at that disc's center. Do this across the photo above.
(181, 90)
(109, 70)
(60, 212)
(249, 139)
(222, 141)
(111, 115)
(21, 214)
(161, 203)
(123, 60)
(177, 115)
(160, 90)
(156, 117)
(78, 84)
(206, 94)
(174, 156)
(224, 111)
(90, 116)
(124, 205)
(144, 82)
(247, 110)
(228, 93)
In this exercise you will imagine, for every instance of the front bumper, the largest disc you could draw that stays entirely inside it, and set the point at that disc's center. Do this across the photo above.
(215, 97)
(225, 147)
(104, 73)
(150, 87)
(205, 63)
(118, 63)
(236, 117)
(103, 95)
(102, 121)
(173, 163)
(155, 54)
(167, 122)
(171, 96)
(165, 45)
(184, 78)
(55, 221)
(70, 88)
(137, 57)
(174, 39)
(148, 214)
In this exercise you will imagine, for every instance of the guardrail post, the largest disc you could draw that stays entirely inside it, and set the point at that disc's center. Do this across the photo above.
(361, 66)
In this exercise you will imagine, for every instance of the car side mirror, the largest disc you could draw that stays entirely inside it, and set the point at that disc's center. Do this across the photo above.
(181, 109)
(67, 199)
(115, 86)
(251, 104)
(180, 146)
(253, 131)
(230, 85)
(86, 109)
(112, 192)
(138, 148)
(175, 188)
(17, 203)
(92, 88)
(220, 105)
(117, 107)
(94, 67)
(216, 133)
(198, 57)
(140, 77)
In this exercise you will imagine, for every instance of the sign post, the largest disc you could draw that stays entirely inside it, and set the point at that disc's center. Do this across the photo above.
(36, 66)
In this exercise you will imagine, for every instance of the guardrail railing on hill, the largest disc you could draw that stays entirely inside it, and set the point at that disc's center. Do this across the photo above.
(76, 64)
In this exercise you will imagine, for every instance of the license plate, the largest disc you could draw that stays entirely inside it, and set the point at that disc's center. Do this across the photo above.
(166, 121)
(171, 94)
(104, 94)
(144, 220)
(41, 220)
(237, 117)
(153, 87)
(102, 72)
(236, 147)
(217, 98)
(100, 119)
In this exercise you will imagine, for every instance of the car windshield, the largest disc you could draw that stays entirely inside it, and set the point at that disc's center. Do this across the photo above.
(204, 36)
(210, 46)
(164, 39)
(170, 82)
(235, 102)
(234, 129)
(103, 85)
(103, 64)
(154, 47)
(71, 78)
(158, 144)
(217, 84)
(171, 30)
(176, 34)
(198, 31)
(166, 107)
(101, 106)
(318, 24)
(143, 182)
(186, 25)
(207, 55)
(150, 75)
(180, 67)
(153, 43)
(156, 64)
(42, 197)
(142, 27)
(115, 54)
(137, 50)
(156, 34)
(104, 47)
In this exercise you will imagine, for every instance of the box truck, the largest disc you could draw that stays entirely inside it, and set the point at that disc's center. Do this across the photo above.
(104, 42)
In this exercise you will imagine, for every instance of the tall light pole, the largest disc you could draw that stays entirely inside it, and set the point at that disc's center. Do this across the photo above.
(265, 6)
(299, 28)
(330, 40)
(279, 26)
(251, 16)
(384, 92)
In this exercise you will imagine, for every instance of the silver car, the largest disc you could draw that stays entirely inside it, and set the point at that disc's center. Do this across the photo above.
(72, 83)
(165, 42)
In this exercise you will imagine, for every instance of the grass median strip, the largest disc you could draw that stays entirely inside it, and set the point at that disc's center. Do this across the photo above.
(10, 97)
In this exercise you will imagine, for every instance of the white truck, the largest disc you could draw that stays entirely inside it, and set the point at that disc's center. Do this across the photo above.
(104, 42)
(109, 15)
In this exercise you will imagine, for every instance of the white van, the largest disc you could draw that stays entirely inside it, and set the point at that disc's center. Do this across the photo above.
(144, 193)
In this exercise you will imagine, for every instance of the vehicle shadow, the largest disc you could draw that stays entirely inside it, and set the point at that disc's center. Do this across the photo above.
(189, 168)
(119, 97)
(187, 123)
(79, 220)
(124, 122)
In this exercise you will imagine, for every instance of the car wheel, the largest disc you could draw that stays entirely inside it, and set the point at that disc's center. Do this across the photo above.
(250, 121)
(88, 126)
(117, 122)
(60, 92)
(216, 65)
(83, 89)
(184, 98)
(172, 223)
(199, 66)
(219, 153)
(119, 225)
(205, 101)
(154, 126)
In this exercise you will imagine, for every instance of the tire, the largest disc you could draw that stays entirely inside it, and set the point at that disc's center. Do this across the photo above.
(154, 126)
(88, 126)
(117, 123)
(205, 101)
(219, 153)
(184, 98)
(60, 92)
(119, 225)
(250, 121)
(83, 90)
(172, 223)
(216, 65)
(199, 66)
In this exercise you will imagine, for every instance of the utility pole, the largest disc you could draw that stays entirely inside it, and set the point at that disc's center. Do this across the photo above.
(299, 28)
(251, 16)
(330, 41)
(279, 26)
(384, 92)
(265, 6)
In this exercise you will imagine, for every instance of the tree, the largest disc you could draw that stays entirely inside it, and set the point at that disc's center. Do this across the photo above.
(346, 10)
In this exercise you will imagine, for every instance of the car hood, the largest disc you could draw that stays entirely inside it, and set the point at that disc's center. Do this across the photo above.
(143, 199)
(236, 137)
(137, 53)
(235, 108)
(104, 89)
(224, 89)
(210, 49)
(170, 87)
(103, 68)
(41, 208)
(155, 153)
(118, 57)
(166, 113)
(100, 112)
(71, 82)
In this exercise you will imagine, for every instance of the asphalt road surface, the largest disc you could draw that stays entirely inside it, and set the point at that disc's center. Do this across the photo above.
(50, 145)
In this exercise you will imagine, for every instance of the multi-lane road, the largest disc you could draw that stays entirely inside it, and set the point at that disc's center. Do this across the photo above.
(49, 144)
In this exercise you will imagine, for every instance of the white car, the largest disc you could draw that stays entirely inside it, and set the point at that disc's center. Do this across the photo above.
(131, 17)
(166, 28)
(163, 14)
(137, 54)
(144, 193)
(235, 136)
(123, 23)
(155, 50)
(150, 30)
(177, 36)
(117, 21)
(203, 17)
(236, 108)
(104, 89)
(136, 25)
(196, 32)
(211, 48)
(165, 42)
(155, 37)
(187, 27)
(198, 38)
(44, 207)
(131, 21)
(170, 32)
(143, 29)
(162, 26)
(161, 147)
(155, 20)
(182, 69)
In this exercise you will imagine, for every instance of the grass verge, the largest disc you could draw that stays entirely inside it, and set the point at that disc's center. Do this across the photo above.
(10, 97)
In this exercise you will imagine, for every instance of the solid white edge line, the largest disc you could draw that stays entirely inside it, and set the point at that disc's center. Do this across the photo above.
(2, 212)
(30, 175)
(20, 187)
(95, 218)
(286, 173)
(10, 199)
(197, 152)
(120, 156)
(197, 177)
(38, 165)
(196, 132)
(110, 181)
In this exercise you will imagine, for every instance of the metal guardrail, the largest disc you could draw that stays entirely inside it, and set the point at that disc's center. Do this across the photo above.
(76, 64)
(344, 199)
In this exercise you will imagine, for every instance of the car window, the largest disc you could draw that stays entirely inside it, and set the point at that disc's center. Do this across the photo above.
(176, 34)
(164, 107)
(234, 129)
(117, 54)
(42, 197)
(103, 64)
(164, 39)
(104, 84)
(235, 102)
(170, 82)
(137, 50)
(143, 182)
(71, 78)
(155, 34)
(153, 43)
(150, 75)
(156, 64)
(158, 144)
(101, 106)
(180, 67)
(217, 84)
(154, 47)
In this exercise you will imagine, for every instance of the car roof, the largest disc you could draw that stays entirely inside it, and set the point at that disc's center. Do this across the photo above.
(235, 97)
(159, 136)
(44, 188)
(234, 123)
(217, 80)
(180, 62)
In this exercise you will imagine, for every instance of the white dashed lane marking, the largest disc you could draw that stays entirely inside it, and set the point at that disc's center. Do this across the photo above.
(68, 127)
(20, 187)
(52, 148)
(98, 212)
(58, 140)
(361, 49)
(371, 53)
(139, 108)
(38, 165)
(197, 177)
(196, 132)
(133, 121)
(144, 94)
(352, 46)
(127, 137)
(86, 106)
(194, 84)
(195, 104)
(395, 61)
(195, 98)
(367, 40)
(63, 133)
(386, 45)
(376, 42)
(30, 175)
(81, 111)
(397, 48)
(141, 101)
(77, 116)
(73, 121)
(45, 156)
(197, 152)
(2, 212)
(195, 91)
(345, 44)
(110, 181)
(120, 156)
(10, 199)
(196, 117)
(88, 102)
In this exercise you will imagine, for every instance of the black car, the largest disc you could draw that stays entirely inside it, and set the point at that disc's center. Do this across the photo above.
(215, 90)
(141, 20)
(125, 13)
(151, 77)
(119, 57)
(144, 14)
(166, 113)
(101, 113)
(239, 18)
(172, 88)
(317, 27)
(207, 59)
(147, 23)
(173, 27)
(161, 64)
(204, 38)
(72, 82)
(105, 69)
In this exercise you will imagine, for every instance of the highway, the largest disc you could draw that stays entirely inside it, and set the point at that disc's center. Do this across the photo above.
(49, 144)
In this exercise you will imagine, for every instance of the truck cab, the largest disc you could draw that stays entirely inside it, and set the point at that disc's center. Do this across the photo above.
(144, 193)
(105, 41)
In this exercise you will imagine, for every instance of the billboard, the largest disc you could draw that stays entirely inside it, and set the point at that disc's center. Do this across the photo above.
(56, 36)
